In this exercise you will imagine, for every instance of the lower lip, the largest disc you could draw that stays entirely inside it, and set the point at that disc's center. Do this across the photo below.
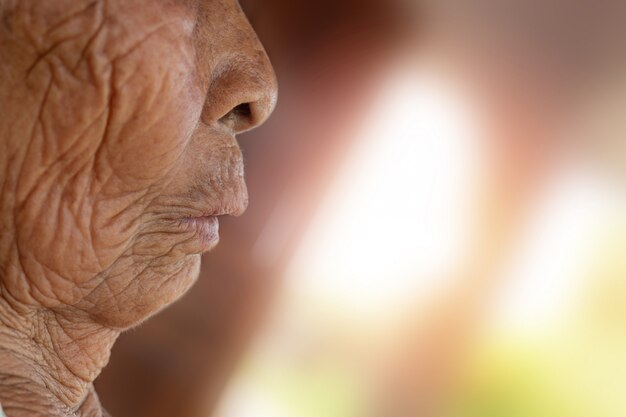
(206, 229)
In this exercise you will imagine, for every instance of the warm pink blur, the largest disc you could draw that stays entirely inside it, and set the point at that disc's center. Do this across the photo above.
(437, 224)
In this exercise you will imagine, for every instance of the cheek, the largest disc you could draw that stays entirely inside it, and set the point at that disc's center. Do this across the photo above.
(154, 110)
(84, 199)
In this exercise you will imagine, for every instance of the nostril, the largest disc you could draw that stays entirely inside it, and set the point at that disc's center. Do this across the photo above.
(240, 118)
(243, 111)
(238, 101)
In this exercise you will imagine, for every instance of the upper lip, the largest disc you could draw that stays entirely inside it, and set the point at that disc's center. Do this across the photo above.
(231, 204)
(221, 189)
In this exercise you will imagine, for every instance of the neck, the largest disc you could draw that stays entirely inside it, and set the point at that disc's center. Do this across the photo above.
(49, 360)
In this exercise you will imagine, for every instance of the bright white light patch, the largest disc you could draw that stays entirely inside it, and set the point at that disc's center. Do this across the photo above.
(555, 253)
(396, 217)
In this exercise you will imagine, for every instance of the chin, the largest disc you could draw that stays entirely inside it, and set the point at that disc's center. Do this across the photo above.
(152, 291)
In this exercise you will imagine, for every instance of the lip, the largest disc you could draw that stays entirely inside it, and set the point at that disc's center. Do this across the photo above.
(206, 230)
(197, 211)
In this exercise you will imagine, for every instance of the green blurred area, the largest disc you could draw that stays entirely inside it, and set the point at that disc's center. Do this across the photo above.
(575, 369)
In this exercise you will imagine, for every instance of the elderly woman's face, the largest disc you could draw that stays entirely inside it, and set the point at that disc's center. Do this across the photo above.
(117, 147)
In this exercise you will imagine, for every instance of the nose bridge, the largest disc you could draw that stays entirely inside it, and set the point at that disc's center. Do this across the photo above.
(241, 74)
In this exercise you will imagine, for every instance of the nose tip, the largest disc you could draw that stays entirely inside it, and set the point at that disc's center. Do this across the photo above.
(243, 94)
(250, 109)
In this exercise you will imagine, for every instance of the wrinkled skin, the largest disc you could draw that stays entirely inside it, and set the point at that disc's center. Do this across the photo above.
(117, 130)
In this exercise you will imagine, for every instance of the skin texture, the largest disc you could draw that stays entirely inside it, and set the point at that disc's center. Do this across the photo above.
(117, 139)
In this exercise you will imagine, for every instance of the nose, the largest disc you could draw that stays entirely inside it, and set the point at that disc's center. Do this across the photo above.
(243, 94)
(242, 88)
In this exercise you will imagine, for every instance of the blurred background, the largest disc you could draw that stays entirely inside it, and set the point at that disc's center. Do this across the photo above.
(437, 224)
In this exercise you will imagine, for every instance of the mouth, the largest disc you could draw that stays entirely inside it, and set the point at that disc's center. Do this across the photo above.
(214, 193)
(206, 231)
(205, 226)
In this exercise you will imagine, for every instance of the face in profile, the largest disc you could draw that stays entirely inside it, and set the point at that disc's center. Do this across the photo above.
(118, 148)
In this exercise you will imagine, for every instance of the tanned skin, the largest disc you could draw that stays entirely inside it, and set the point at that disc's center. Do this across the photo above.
(117, 147)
